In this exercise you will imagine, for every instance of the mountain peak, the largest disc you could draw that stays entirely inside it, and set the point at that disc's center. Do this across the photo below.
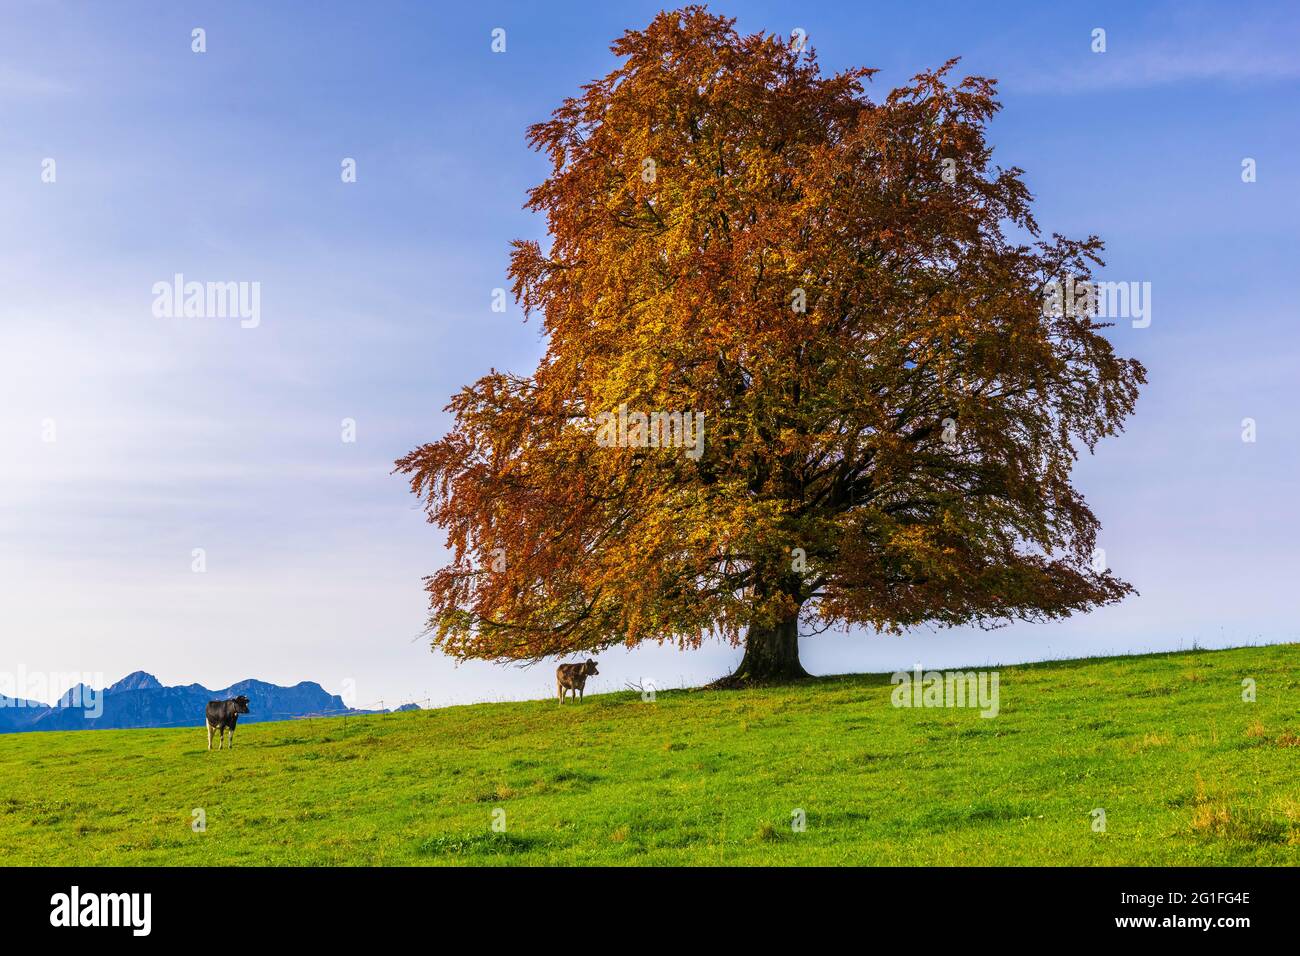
(140, 700)
(75, 695)
(139, 680)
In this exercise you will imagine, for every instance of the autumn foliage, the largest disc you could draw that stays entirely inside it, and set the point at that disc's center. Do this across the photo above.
(852, 295)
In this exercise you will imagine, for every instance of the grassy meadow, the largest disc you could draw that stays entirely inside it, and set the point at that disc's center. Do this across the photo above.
(1185, 770)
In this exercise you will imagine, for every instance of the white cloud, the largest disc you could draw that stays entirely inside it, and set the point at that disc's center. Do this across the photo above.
(19, 83)
(1251, 52)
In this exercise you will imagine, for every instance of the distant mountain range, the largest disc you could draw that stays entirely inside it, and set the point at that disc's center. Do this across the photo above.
(139, 700)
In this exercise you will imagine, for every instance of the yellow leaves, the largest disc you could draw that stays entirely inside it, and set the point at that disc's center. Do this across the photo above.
(917, 544)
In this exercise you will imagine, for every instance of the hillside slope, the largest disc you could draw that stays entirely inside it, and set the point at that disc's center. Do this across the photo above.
(1185, 771)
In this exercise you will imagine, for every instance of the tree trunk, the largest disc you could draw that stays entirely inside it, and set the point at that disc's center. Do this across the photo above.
(771, 656)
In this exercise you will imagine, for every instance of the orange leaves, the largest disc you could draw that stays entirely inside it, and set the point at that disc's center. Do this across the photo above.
(890, 416)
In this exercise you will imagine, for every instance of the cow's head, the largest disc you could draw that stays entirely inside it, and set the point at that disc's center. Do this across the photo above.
(241, 704)
(589, 668)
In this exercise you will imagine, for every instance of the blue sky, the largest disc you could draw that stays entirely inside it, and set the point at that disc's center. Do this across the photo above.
(173, 434)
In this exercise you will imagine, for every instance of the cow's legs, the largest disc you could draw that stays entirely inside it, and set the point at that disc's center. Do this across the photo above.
(232, 738)
(559, 689)
(209, 736)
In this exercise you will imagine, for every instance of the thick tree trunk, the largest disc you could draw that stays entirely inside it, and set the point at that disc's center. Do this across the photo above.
(771, 656)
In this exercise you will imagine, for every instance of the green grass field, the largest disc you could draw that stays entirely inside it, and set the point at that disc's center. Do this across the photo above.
(1186, 772)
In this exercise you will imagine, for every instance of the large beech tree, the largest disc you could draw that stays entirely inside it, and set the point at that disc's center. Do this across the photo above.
(852, 295)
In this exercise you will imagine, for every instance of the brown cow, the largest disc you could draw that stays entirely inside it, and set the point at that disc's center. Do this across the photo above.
(573, 677)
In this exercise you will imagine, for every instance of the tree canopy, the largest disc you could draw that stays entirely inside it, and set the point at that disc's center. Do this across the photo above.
(851, 294)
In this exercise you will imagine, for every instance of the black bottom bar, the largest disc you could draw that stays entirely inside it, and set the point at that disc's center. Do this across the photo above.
(233, 905)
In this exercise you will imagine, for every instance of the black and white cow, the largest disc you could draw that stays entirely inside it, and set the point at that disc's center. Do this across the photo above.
(222, 715)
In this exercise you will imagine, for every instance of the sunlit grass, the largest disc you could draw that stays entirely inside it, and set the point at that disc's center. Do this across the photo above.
(1185, 770)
